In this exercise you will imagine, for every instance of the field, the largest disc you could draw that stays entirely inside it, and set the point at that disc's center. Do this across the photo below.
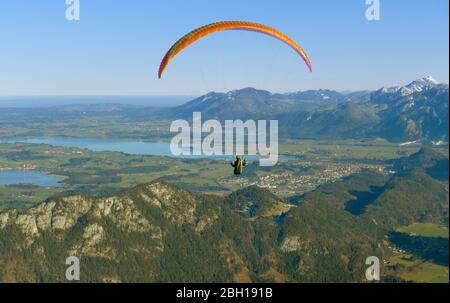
(425, 230)
(95, 121)
(23, 196)
(86, 171)
(100, 172)
(412, 269)
(364, 150)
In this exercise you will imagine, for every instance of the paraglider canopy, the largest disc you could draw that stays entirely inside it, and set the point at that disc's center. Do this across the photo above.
(229, 25)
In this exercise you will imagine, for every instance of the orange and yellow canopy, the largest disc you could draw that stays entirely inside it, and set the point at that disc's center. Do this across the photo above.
(229, 25)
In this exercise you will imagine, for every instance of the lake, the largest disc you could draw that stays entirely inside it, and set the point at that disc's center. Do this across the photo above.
(14, 177)
(10, 177)
(123, 146)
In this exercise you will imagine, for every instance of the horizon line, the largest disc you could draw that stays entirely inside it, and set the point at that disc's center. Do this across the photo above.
(343, 91)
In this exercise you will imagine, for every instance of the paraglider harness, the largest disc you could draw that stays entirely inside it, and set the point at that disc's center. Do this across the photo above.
(239, 165)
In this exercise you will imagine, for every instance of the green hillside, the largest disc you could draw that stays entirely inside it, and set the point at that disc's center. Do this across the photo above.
(157, 232)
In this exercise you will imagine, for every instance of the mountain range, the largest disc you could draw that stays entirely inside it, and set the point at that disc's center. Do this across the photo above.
(416, 111)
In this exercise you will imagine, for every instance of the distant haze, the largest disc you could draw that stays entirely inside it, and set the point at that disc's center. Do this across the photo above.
(43, 101)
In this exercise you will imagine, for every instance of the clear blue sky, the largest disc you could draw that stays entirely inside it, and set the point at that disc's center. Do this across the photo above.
(116, 47)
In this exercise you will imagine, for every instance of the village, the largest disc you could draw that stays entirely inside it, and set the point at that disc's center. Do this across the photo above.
(289, 183)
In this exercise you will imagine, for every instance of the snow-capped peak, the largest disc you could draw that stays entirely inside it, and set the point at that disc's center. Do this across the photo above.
(431, 80)
(422, 84)
(413, 87)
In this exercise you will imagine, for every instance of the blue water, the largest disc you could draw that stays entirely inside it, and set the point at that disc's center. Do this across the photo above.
(13, 177)
(10, 177)
(123, 146)
(127, 147)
